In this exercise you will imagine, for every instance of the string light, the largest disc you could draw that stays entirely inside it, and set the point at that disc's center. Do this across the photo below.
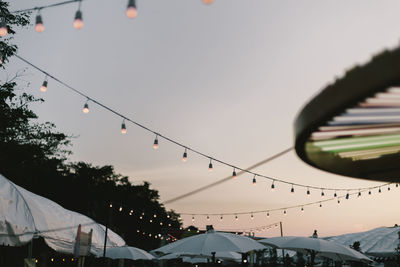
(184, 157)
(131, 11)
(292, 190)
(322, 194)
(234, 173)
(335, 195)
(208, 2)
(254, 180)
(86, 107)
(308, 192)
(78, 21)
(208, 218)
(120, 208)
(155, 144)
(3, 28)
(359, 194)
(388, 188)
(302, 209)
(397, 185)
(193, 219)
(320, 205)
(267, 214)
(123, 127)
(338, 201)
(273, 186)
(379, 191)
(39, 27)
(221, 218)
(347, 196)
(284, 212)
(179, 144)
(43, 88)
(236, 217)
(369, 192)
(111, 205)
(210, 166)
(252, 216)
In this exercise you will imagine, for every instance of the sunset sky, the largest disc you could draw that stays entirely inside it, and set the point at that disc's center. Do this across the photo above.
(226, 79)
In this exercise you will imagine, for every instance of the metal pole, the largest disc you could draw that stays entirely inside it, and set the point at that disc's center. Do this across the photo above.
(105, 242)
(283, 251)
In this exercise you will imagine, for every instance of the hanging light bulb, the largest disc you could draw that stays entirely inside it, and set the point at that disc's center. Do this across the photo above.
(320, 205)
(221, 218)
(369, 192)
(388, 187)
(3, 28)
(284, 212)
(252, 216)
(120, 208)
(131, 11)
(110, 205)
(208, 218)
(208, 2)
(267, 214)
(338, 201)
(184, 157)
(397, 185)
(322, 194)
(155, 144)
(273, 186)
(86, 107)
(308, 192)
(210, 166)
(292, 190)
(78, 21)
(234, 173)
(379, 191)
(347, 196)
(39, 27)
(236, 217)
(123, 127)
(302, 209)
(254, 180)
(43, 88)
(359, 194)
(335, 195)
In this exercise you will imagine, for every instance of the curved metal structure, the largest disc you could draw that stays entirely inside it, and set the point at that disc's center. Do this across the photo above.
(352, 127)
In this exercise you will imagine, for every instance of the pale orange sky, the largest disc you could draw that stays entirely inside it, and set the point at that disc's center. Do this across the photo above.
(226, 79)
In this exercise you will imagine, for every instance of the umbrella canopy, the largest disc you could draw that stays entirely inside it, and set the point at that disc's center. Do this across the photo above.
(218, 255)
(378, 242)
(24, 215)
(205, 244)
(322, 247)
(130, 253)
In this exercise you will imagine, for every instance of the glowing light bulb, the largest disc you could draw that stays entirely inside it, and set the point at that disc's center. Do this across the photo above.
(131, 11)
(78, 22)
(184, 157)
(85, 108)
(155, 144)
(3, 29)
(234, 173)
(43, 88)
(123, 128)
(208, 2)
(210, 166)
(120, 208)
(39, 27)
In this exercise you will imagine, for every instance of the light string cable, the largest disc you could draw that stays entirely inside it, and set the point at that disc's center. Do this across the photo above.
(185, 147)
(346, 196)
(47, 6)
(256, 228)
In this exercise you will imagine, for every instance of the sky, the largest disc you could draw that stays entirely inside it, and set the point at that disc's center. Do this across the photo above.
(227, 79)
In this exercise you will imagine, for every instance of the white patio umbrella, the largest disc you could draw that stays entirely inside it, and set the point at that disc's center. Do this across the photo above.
(25, 215)
(205, 244)
(218, 255)
(378, 242)
(321, 247)
(129, 253)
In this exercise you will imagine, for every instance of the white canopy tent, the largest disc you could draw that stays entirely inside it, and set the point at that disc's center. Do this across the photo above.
(25, 215)
(378, 242)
